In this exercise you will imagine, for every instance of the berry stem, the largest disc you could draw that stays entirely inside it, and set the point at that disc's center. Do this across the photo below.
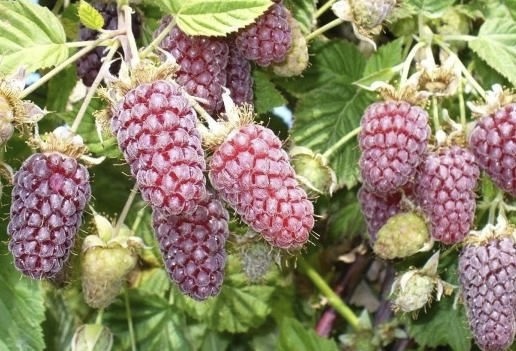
(458, 37)
(131, 50)
(324, 28)
(321, 10)
(100, 315)
(465, 72)
(333, 299)
(435, 114)
(31, 88)
(154, 44)
(495, 204)
(408, 62)
(79, 44)
(125, 210)
(328, 153)
(129, 320)
(462, 106)
(91, 90)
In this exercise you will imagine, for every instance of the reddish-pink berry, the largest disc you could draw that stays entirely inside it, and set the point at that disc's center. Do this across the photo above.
(48, 198)
(202, 62)
(253, 174)
(445, 191)
(493, 142)
(393, 140)
(268, 39)
(192, 247)
(156, 130)
(487, 275)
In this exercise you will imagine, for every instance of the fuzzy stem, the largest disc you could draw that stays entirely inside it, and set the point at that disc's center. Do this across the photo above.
(91, 90)
(333, 299)
(138, 220)
(458, 37)
(462, 106)
(129, 320)
(131, 52)
(408, 61)
(495, 204)
(79, 44)
(57, 6)
(465, 72)
(100, 315)
(125, 210)
(324, 28)
(158, 39)
(321, 10)
(67, 62)
(328, 153)
(435, 114)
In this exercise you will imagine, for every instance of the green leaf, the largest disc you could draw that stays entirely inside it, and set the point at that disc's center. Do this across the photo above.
(303, 11)
(380, 66)
(60, 88)
(32, 36)
(218, 18)
(295, 336)
(169, 6)
(496, 45)
(266, 95)
(431, 7)
(157, 325)
(239, 307)
(21, 308)
(89, 16)
(443, 325)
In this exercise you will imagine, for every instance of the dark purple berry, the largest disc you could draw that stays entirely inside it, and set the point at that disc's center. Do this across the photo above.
(49, 195)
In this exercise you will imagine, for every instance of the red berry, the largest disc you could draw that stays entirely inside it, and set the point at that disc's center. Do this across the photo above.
(192, 247)
(49, 195)
(253, 174)
(493, 142)
(377, 209)
(202, 61)
(487, 277)
(88, 66)
(268, 39)
(393, 140)
(156, 130)
(239, 80)
(445, 191)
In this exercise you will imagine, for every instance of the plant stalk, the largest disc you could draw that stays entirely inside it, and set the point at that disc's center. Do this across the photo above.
(333, 299)
(321, 10)
(324, 28)
(125, 210)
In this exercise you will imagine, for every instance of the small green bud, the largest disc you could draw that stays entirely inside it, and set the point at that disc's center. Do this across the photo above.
(92, 337)
(313, 171)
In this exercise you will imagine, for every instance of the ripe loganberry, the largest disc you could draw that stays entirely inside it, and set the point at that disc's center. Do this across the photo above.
(88, 66)
(493, 142)
(252, 172)
(156, 130)
(377, 209)
(268, 39)
(192, 247)
(393, 139)
(486, 274)
(445, 191)
(49, 195)
(202, 62)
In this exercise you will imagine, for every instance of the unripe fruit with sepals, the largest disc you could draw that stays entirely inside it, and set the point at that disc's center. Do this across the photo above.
(192, 247)
(92, 337)
(50, 192)
(252, 172)
(313, 171)
(393, 139)
(156, 129)
(403, 235)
